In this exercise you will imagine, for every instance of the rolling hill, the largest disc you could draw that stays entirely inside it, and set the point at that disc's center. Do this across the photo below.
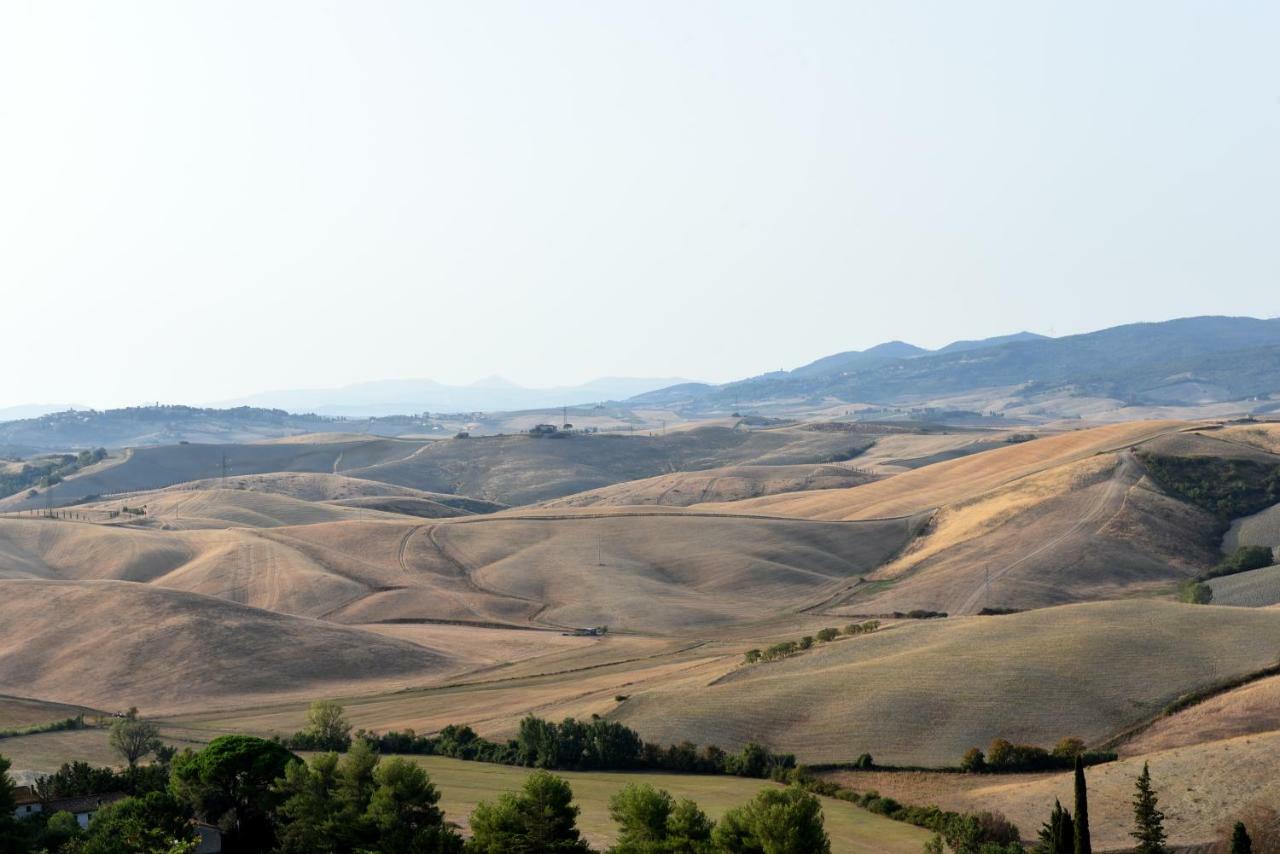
(954, 480)
(516, 469)
(102, 644)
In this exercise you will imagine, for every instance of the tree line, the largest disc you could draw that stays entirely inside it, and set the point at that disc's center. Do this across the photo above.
(570, 745)
(789, 648)
(1004, 757)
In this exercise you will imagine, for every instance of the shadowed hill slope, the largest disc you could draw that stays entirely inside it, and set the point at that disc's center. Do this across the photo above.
(522, 469)
(506, 469)
(157, 467)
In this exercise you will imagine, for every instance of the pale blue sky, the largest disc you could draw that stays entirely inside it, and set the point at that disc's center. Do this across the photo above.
(202, 200)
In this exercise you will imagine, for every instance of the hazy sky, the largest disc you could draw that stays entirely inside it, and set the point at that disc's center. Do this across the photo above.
(204, 199)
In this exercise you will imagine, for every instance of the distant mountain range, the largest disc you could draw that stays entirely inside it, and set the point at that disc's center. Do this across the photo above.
(403, 397)
(1192, 362)
(1187, 362)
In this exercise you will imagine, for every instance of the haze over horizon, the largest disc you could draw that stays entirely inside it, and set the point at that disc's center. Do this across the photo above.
(206, 202)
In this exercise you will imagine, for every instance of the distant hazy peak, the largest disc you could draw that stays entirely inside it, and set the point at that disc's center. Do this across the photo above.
(978, 344)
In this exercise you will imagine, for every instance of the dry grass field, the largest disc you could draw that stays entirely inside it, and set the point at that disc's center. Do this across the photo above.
(1202, 788)
(16, 712)
(1265, 436)
(192, 509)
(323, 486)
(1260, 529)
(923, 692)
(1251, 709)
(1257, 588)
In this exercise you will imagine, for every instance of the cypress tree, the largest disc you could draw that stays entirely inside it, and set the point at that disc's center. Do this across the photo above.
(1148, 820)
(1240, 841)
(1056, 834)
(1083, 844)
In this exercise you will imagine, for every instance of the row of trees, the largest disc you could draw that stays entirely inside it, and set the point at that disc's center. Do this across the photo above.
(570, 745)
(264, 798)
(1003, 756)
(788, 648)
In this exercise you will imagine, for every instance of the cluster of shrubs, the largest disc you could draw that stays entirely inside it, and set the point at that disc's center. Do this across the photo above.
(990, 833)
(1003, 757)
(76, 722)
(1194, 592)
(1242, 559)
(789, 648)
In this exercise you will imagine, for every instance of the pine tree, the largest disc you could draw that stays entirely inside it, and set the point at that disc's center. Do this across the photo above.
(1083, 844)
(1056, 836)
(1148, 820)
(1240, 841)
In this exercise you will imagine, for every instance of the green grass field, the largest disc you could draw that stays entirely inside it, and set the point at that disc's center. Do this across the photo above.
(852, 829)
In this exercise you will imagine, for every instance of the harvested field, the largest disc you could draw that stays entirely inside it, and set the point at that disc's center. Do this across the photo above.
(1257, 588)
(16, 712)
(896, 693)
(191, 509)
(723, 484)
(1248, 710)
(1260, 529)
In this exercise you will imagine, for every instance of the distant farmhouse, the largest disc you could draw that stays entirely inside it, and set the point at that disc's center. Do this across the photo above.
(85, 806)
